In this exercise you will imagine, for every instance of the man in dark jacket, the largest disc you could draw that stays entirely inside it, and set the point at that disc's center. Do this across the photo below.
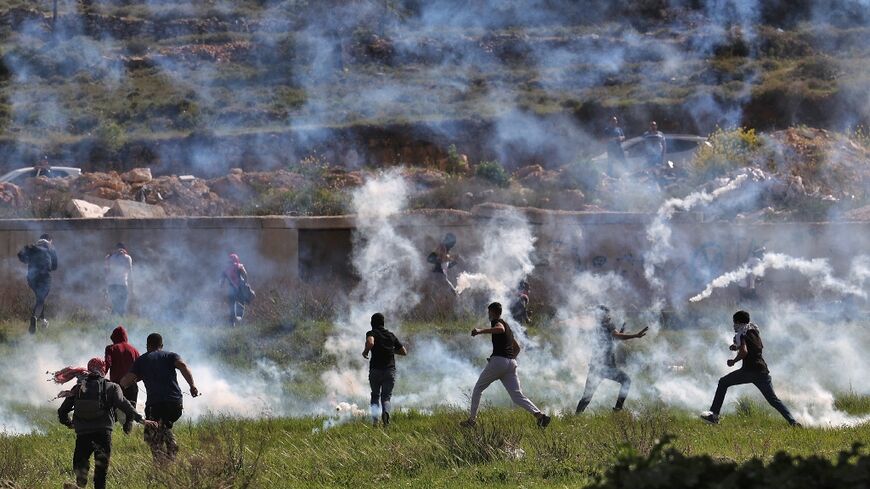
(93, 403)
(156, 369)
(747, 343)
(120, 356)
(41, 260)
(383, 346)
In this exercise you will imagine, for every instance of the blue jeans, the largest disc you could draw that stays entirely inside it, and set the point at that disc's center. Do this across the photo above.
(761, 380)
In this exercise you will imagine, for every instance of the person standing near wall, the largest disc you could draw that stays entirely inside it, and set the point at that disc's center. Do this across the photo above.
(235, 276)
(163, 402)
(603, 365)
(119, 269)
(384, 346)
(502, 366)
(41, 260)
(615, 155)
(120, 356)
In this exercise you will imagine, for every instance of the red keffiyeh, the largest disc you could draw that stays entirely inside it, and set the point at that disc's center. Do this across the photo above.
(95, 366)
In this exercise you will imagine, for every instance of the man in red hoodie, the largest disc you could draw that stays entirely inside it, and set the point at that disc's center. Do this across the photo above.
(120, 356)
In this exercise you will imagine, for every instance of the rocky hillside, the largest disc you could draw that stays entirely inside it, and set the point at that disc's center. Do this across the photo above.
(205, 86)
(796, 174)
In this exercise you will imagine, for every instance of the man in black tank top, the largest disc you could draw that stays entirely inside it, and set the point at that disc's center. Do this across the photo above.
(384, 346)
(502, 366)
(747, 343)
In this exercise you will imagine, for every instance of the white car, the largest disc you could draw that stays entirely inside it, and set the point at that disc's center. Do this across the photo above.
(19, 176)
(680, 149)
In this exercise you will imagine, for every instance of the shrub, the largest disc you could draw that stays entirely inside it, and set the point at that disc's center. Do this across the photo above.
(728, 150)
(111, 136)
(494, 172)
(666, 466)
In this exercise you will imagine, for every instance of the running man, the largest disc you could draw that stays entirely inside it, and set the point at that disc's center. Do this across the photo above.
(163, 401)
(41, 260)
(502, 366)
(384, 346)
(603, 365)
(753, 370)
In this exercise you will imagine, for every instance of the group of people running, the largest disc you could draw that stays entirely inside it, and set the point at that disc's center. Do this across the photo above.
(96, 401)
(502, 366)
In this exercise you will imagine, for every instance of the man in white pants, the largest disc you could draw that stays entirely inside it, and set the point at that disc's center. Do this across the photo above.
(502, 365)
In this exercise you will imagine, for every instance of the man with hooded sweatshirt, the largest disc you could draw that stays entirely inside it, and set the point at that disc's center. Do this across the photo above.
(747, 344)
(41, 260)
(120, 356)
(119, 267)
(501, 366)
(163, 401)
(383, 346)
(93, 402)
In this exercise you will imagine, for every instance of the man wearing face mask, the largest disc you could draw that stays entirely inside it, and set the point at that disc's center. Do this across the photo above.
(747, 343)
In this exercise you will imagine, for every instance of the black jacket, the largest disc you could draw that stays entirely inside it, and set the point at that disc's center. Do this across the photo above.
(41, 259)
(114, 399)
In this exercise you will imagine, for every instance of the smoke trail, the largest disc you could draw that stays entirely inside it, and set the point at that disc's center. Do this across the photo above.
(659, 231)
(818, 270)
(389, 266)
(506, 258)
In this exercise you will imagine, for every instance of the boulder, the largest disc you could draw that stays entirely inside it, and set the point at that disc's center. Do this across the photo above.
(85, 210)
(137, 176)
(135, 210)
(11, 195)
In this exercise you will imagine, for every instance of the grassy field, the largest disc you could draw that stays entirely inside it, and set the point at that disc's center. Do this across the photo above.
(418, 450)
(422, 448)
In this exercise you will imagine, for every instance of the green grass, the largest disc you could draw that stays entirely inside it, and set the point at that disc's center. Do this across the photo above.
(419, 450)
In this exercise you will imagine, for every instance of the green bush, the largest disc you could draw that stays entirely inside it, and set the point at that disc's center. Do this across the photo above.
(666, 466)
(492, 171)
(111, 135)
(308, 200)
(728, 150)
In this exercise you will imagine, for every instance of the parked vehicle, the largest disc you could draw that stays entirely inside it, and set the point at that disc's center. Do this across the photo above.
(19, 176)
(681, 148)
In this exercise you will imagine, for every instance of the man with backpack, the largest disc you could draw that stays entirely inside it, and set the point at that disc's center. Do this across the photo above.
(239, 292)
(93, 402)
(120, 356)
(41, 260)
(502, 366)
(753, 370)
(119, 267)
(384, 346)
(603, 365)
(163, 402)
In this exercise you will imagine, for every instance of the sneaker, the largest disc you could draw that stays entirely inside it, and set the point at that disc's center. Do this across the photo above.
(386, 419)
(32, 328)
(238, 319)
(544, 421)
(710, 418)
(128, 426)
(617, 409)
(796, 425)
(44, 323)
(468, 423)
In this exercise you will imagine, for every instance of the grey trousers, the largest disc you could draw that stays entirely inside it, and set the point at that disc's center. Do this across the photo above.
(505, 370)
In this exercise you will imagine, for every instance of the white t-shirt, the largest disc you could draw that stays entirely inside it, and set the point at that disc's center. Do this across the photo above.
(118, 268)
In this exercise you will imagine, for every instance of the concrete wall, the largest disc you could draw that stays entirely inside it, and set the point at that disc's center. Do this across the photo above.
(182, 258)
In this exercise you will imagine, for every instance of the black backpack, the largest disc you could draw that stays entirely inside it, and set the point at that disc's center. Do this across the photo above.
(91, 403)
